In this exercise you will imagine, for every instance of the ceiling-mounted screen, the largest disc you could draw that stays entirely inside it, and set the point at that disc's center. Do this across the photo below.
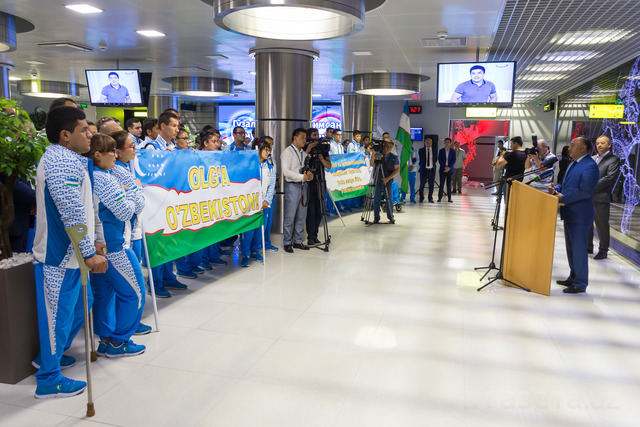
(114, 88)
(465, 84)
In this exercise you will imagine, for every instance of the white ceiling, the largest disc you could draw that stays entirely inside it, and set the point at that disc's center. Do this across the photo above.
(392, 34)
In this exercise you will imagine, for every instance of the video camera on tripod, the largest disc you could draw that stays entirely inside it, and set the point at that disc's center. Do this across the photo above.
(377, 146)
(312, 161)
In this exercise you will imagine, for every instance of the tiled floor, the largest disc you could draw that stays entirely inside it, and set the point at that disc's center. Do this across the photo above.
(386, 329)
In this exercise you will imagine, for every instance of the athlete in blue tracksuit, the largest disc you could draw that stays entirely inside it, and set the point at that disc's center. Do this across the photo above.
(116, 204)
(63, 194)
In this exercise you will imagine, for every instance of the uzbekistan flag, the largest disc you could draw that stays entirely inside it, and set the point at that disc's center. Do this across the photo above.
(404, 137)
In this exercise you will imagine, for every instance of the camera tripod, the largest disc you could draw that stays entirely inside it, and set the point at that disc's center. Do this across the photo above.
(321, 189)
(367, 207)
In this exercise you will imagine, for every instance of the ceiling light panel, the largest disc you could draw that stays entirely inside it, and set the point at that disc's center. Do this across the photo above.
(554, 67)
(150, 33)
(569, 56)
(83, 8)
(589, 37)
(544, 76)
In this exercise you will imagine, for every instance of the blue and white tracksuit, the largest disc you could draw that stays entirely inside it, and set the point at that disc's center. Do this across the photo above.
(116, 208)
(251, 241)
(63, 195)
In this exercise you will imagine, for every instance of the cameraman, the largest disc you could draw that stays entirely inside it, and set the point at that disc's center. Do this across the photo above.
(513, 161)
(390, 168)
(535, 158)
(295, 184)
(316, 198)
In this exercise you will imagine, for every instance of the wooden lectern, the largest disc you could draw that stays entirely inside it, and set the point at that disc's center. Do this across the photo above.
(530, 234)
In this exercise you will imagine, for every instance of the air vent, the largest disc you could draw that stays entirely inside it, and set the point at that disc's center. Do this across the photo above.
(66, 44)
(448, 42)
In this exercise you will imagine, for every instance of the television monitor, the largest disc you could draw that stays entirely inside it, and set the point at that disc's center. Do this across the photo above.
(416, 134)
(114, 88)
(488, 84)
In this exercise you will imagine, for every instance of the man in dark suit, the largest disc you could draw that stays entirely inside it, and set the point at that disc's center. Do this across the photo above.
(427, 169)
(609, 166)
(576, 194)
(446, 158)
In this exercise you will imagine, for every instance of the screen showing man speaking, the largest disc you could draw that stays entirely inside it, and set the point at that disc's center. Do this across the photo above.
(476, 83)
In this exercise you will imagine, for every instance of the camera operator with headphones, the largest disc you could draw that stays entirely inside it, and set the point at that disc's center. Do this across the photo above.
(316, 149)
(390, 168)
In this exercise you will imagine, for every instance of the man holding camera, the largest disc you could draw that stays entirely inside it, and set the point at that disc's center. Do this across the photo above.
(316, 193)
(295, 191)
(390, 168)
(535, 158)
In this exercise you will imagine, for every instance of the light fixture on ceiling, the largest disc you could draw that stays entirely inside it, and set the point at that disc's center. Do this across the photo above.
(15, 79)
(591, 37)
(554, 67)
(317, 95)
(150, 33)
(48, 88)
(202, 86)
(379, 71)
(292, 19)
(35, 62)
(544, 76)
(10, 25)
(83, 8)
(569, 56)
(385, 84)
(361, 53)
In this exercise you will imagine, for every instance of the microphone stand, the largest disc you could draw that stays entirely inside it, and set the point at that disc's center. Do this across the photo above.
(496, 227)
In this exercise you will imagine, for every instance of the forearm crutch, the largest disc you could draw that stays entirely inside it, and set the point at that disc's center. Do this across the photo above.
(76, 234)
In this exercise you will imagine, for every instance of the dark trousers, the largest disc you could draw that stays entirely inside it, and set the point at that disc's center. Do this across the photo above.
(445, 177)
(575, 236)
(601, 218)
(428, 176)
(314, 212)
(377, 199)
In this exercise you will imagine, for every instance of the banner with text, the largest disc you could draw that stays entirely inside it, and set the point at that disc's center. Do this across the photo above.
(196, 198)
(348, 177)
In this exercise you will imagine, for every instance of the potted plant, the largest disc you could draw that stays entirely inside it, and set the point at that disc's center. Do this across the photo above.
(21, 146)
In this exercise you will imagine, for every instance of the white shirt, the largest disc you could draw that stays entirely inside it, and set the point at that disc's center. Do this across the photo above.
(291, 161)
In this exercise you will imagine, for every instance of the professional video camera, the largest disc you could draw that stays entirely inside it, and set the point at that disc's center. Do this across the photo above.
(377, 145)
(312, 161)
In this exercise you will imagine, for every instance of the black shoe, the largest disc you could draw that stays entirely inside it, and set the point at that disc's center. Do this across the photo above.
(313, 241)
(431, 201)
(600, 255)
(589, 250)
(439, 200)
(376, 221)
(450, 201)
(494, 194)
(573, 290)
(459, 191)
(288, 249)
(301, 246)
(421, 200)
(392, 221)
(564, 282)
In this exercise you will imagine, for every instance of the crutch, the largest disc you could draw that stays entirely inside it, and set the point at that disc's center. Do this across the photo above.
(76, 234)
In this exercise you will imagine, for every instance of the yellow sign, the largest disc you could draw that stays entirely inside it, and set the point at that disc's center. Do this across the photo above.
(482, 112)
(606, 111)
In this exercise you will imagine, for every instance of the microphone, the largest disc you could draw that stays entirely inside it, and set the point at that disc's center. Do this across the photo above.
(550, 162)
(542, 176)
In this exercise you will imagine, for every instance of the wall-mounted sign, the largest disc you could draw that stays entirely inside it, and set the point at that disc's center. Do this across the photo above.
(606, 111)
(485, 112)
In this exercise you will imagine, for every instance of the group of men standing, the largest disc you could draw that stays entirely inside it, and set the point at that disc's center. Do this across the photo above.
(451, 162)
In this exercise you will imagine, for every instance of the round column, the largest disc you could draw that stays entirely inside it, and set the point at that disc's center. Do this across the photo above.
(4, 81)
(159, 103)
(357, 114)
(284, 86)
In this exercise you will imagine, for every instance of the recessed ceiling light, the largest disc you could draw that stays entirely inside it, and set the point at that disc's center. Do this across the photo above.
(379, 71)
(150, 33)
(569, 56)
(362, 53)
(15, 79)
(590, 37)
(83, 8)
(35, 62)
(554, 67)
(545, 76)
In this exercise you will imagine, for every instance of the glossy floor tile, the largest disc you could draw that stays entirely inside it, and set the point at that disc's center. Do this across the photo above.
(385, 329)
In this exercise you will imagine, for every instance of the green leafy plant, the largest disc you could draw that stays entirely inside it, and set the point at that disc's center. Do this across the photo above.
(21, 146)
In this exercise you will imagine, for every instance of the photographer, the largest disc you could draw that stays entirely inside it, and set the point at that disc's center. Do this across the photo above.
(535, 157)
(390, 168)
(295, 194)
(316, 161)
(513, 161)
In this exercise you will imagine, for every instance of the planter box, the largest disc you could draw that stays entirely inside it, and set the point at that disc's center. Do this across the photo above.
(18, 323)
